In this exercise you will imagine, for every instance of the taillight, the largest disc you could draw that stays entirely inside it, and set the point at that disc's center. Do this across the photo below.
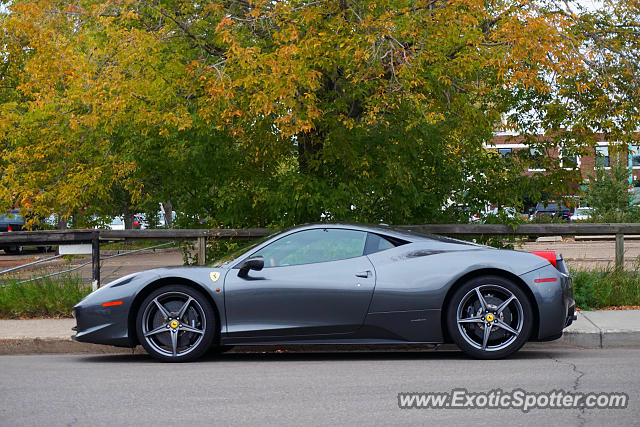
(136, 223)
(9, 228)
(549, 256)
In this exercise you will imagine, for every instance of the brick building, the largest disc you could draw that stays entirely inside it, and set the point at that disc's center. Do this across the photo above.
(506, 143)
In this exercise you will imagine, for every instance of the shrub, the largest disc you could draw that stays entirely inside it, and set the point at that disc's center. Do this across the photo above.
(607, 287)
(48, 297)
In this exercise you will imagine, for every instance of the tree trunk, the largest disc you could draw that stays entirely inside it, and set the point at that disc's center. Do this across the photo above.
(128, 219)
(61, 223)
(168, 213)
(309, 143)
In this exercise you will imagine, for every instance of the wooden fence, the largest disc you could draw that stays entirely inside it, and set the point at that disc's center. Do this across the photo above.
(94, 237)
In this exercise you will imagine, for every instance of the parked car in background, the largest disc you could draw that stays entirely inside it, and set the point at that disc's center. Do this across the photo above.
(117, 223)
(141, 221)
(11, 221)
(582, 214)
(552, 210)
(505, 212)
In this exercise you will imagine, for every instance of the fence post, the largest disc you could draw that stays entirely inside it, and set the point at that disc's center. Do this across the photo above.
(619, 250)
(95, 260)
(202, 250)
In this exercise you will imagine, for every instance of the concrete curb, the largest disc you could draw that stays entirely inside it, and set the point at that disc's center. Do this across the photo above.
(604, 329)
(58, 346)
(25, 346)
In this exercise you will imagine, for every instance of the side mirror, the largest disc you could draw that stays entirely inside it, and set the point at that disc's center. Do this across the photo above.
(253, 263)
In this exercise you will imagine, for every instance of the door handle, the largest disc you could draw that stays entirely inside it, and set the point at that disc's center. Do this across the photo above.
(364, 274)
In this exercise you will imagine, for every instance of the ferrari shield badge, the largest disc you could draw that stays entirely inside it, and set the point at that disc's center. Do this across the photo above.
(215, 275)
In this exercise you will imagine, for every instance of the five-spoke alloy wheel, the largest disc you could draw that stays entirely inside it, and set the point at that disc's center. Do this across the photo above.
(176, 323)
(489, 317)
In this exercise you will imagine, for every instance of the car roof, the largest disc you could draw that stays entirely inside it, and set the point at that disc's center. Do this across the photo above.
(380, 229)
(383, 229)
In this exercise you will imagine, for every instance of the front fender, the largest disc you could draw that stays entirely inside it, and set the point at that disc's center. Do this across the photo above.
(110, 324)
(209, 280)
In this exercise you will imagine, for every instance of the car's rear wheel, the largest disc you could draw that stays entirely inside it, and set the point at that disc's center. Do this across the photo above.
(14, 250)
(176, 323)
(489, 317)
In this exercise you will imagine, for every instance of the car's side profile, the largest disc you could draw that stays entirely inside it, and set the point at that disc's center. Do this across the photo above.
(338, 284)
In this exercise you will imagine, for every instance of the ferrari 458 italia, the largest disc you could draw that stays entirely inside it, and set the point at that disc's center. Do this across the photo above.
(338, 284)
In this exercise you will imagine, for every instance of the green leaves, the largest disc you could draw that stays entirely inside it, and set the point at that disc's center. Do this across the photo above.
(609, 191)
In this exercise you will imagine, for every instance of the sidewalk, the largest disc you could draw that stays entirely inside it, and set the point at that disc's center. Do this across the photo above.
(593, 329)
(604, 329)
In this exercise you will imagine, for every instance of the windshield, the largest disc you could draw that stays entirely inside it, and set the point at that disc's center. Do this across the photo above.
(12, 216)
(244, 248)
(549, 207)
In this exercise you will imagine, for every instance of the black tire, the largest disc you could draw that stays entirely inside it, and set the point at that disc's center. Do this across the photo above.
(14, 250)
(183, 331)
(467, 320)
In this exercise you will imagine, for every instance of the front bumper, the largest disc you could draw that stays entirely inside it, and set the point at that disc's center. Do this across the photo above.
(102, 325)
(98, 324)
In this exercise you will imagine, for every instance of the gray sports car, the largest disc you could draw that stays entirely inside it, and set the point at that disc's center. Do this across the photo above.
(338, 284)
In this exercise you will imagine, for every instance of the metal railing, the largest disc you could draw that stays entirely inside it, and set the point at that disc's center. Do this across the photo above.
(94, 237)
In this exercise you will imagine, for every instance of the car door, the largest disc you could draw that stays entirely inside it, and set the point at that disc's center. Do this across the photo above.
(314, 282)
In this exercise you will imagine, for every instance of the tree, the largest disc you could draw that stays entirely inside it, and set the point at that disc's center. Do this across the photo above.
(609, 191)
(273, 113)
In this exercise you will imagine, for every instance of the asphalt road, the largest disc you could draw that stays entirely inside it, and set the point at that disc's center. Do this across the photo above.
(309, 388)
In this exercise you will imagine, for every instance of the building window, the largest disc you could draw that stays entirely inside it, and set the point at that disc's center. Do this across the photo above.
(569, 160)
(602, 156)
(505, 152)
(634, 151)
(537, 155)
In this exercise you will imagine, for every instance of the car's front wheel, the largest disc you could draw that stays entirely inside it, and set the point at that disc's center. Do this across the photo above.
(176, 323)
(489, 317)
(13, 250)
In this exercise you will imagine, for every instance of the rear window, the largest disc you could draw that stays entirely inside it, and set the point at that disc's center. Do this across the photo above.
(377, 243)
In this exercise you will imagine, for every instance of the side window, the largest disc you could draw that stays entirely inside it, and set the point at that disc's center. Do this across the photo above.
(311, 246)
(376, 243)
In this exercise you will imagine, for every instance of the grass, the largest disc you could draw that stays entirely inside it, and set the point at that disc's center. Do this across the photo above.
(48, 297)
(606, 288)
